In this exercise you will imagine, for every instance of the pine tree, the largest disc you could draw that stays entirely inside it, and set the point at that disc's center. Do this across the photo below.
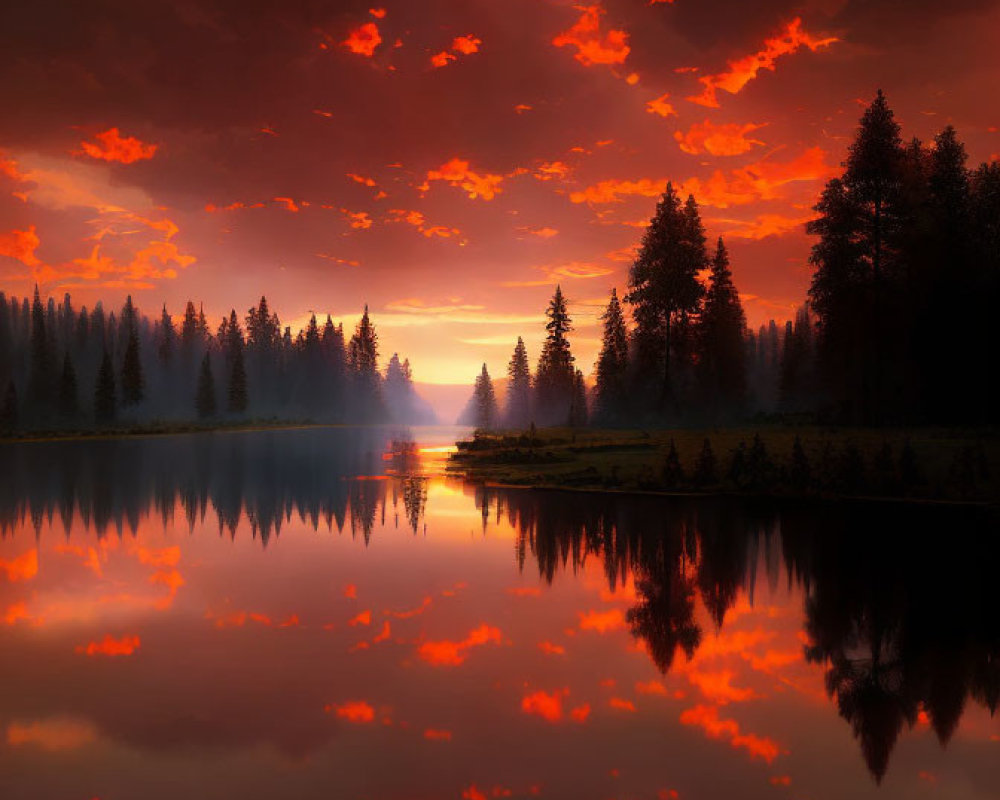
(68, 402)
(578, 415)
(612, 364)
(204, 401)
(554, 378)
(133, 382)
(518, 402)
(167, 336)
(105, 398)
(40, 381)
(237, 394)
(8, 409)
(663, 284)
(485, 401)
(721, 329)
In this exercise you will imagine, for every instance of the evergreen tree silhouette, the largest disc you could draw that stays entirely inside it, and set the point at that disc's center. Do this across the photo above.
(555, 376)
(518, 401)
(205, 397)
(721, 328)
(68, 401)
(105, 396)
(133, 382)
(663, 285)
(484, 401)
(237, 394)
(612, 364)
(8, 409)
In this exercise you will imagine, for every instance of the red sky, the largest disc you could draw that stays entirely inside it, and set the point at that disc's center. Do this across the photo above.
(446, 161)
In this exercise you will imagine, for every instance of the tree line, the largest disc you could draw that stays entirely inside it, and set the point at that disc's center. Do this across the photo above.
(895, 328)
(64, 368)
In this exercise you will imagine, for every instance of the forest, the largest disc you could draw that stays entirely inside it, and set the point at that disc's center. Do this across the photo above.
(68, 369)
(895, 330)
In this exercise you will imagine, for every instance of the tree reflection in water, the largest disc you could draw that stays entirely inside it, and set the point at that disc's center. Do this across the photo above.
(899, 604)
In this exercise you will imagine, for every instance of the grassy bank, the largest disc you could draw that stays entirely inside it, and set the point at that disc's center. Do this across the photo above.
(159, 428)
(928, 463)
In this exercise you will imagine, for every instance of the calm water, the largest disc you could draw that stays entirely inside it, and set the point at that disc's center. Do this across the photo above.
(322, 614)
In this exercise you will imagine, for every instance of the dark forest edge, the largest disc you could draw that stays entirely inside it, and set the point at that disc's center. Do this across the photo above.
(896, 330)
(70, 372)
(916, 465)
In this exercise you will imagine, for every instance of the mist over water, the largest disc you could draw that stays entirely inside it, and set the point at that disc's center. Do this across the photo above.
(322, 611)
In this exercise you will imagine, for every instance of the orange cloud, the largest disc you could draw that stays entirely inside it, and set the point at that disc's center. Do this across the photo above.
(761, 227)
(762, 180)
(743, 70)
(112, 146)
(456, 172)
(602, 621)
(593, 46)
(729, 139)
(21, 246)
(363, 40)
(661, 107)
(552, 649)
(707, 718)
(446, 653)
(464, 45)
(355, 711)
(22, 568)
(717, 686)
(364, 618)
(580, 713)
(437, 735)
(378, 13)
(621, 704)
(351, 591)
(417, 220)
(651, 687)
(109, 646)
(550, 170)
(780, 780)
(546, 705)
(53, 734)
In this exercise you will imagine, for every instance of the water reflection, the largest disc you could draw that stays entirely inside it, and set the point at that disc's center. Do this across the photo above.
(329, 476)
(900, 601)
(631, 622)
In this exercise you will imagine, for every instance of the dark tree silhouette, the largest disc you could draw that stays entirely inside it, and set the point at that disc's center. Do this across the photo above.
(68, 403)
(105, 396)
(612, 365)
(663, 287)
(721, 330)
(204, 400)
(484, 402)
(517, 411)
(133, 382)
(555, 375)
(8, 408)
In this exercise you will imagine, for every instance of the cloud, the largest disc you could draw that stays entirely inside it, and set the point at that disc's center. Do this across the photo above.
(761, 227)
(707, 718)
(437, 735)
(574, 270)
(661, 107)
(51, 734)
(417, 220)
(363, 40)
(593, 46)
(21, 246)
(357, 711)
(552, 649)
(22, 568)
(728, 139)
(761, 180)
(463, 45)
(547, 705)
(446, 653)
(743, 70)
(112, 146)
(457, 172)
(111, 647)
(602, 621)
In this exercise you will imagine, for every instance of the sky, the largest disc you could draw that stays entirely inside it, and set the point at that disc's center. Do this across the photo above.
(447, 162)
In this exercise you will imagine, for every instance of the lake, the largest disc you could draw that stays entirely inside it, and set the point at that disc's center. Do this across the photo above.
(322, 613)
